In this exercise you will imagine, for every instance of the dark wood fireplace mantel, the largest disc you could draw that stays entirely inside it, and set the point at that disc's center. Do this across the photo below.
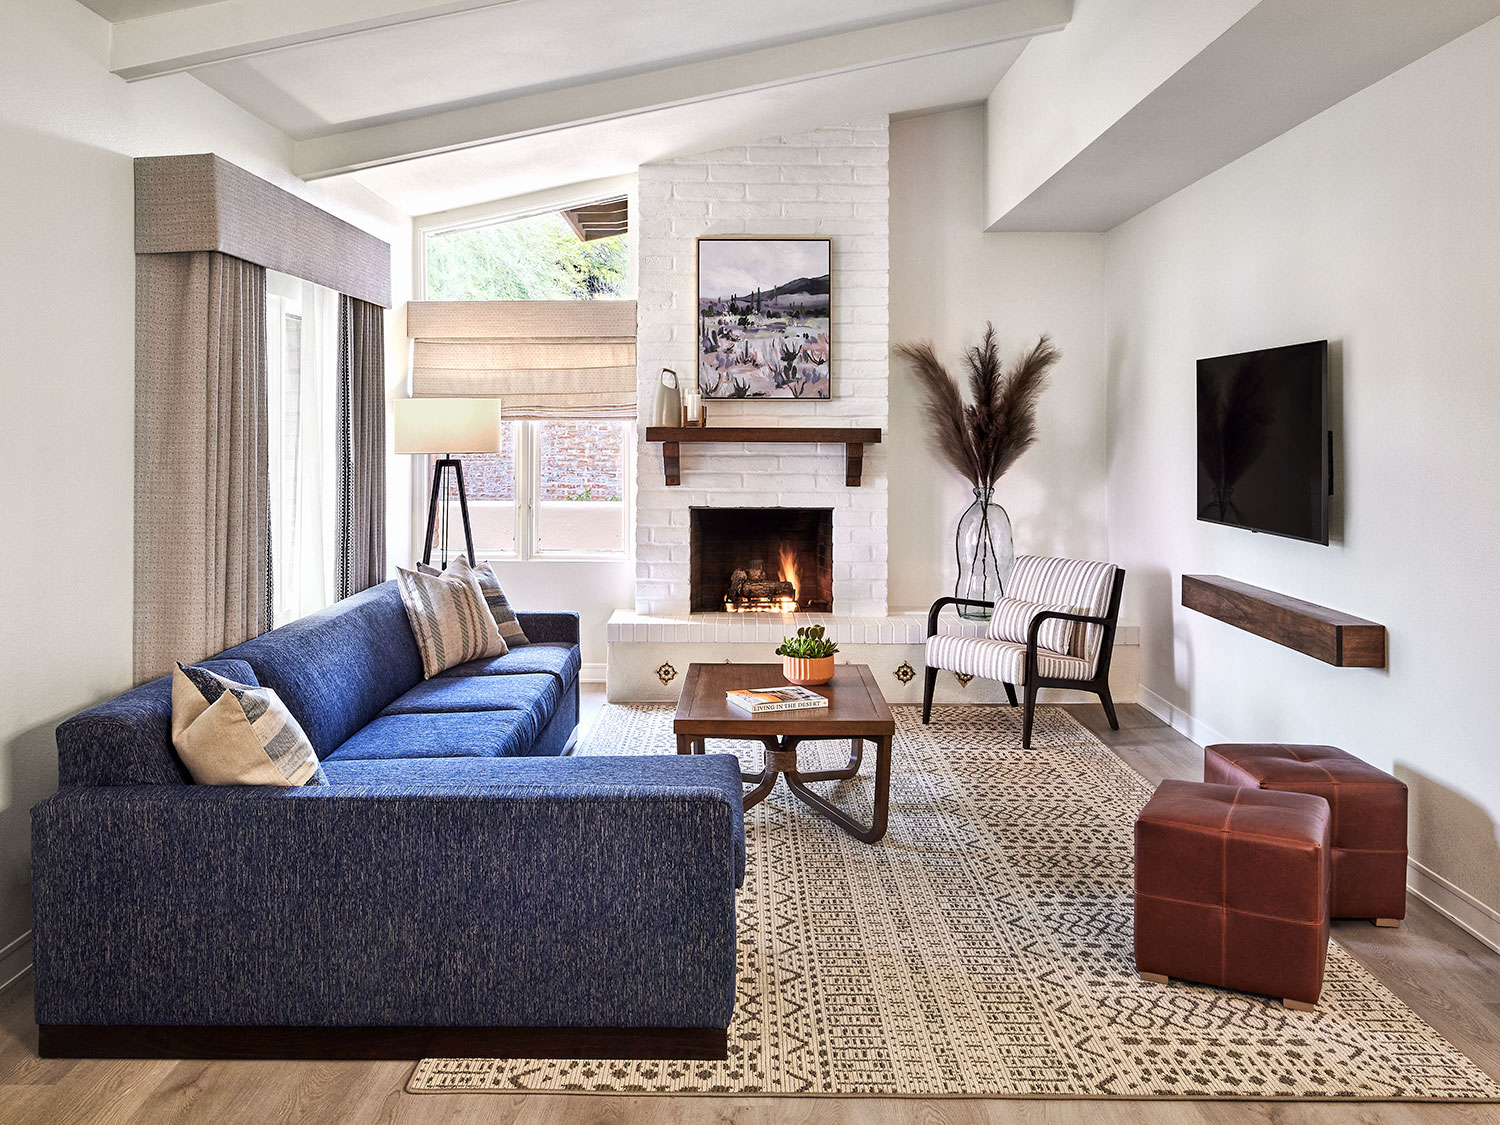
(853, 441)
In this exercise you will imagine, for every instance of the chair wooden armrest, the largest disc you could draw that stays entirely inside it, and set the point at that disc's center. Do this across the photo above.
(937, 607)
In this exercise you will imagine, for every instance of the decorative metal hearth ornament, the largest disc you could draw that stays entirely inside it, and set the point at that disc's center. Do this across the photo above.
(963, 678)
(666, 674)
(906, 674)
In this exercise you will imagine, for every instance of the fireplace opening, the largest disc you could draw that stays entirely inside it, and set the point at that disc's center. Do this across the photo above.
(761, 560)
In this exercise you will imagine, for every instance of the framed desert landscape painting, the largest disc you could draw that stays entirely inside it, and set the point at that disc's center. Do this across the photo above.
(765, 318)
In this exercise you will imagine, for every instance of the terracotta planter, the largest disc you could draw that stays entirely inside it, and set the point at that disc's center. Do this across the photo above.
(807, 673)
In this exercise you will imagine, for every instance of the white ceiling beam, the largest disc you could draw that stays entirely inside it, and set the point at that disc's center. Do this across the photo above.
(179, 40)
(611, 99)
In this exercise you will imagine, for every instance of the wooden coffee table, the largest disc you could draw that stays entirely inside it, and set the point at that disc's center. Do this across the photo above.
(856, 710)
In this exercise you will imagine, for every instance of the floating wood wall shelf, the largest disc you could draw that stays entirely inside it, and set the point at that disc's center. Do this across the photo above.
(1326, 634)
(853, 441)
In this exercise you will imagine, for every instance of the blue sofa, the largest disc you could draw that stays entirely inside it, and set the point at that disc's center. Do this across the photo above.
(459, 886)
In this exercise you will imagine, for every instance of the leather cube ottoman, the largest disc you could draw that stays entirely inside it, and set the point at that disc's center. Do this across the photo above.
(1369, 816)
(1232, 889)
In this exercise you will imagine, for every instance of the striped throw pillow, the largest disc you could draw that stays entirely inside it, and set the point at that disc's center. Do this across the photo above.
(1012, 620)
(448, 618)
(228, 733)
(494, 597)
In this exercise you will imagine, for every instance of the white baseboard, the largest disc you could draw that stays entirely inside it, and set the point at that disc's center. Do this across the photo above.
(1179, 720)
(1454, 903)
(592, 673)
(15, 963)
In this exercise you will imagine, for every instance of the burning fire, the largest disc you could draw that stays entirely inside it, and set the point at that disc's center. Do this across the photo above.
(789, 571)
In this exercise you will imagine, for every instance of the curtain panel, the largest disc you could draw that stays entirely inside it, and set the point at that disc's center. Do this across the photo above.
(543, 359)
(361, 562)
(202, 504)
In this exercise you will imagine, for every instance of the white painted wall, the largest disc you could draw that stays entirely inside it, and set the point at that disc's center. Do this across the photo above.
(68, 131)
(1374, 225)
(948, 278)
(1066, 89)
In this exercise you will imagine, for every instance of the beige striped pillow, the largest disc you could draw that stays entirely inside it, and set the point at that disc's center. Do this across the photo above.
(494, 597)
(228, 733)
(448, 617)
(1012, 620)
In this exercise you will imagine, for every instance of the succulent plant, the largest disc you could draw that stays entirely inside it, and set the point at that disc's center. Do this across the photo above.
(808, 644)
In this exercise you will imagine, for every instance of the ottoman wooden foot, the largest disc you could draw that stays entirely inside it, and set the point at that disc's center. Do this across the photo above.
(1388, 923)
(1156, 978)
(1299, 1006)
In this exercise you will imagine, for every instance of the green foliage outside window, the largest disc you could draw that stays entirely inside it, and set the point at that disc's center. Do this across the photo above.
(535, 259)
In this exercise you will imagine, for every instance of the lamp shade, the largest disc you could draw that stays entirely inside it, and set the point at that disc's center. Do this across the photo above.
(447, 425)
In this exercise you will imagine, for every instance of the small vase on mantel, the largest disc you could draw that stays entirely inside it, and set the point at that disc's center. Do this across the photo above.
(986, 554)
(667, 410)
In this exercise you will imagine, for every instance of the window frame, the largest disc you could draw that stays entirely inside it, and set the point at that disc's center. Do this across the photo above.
(527, 476)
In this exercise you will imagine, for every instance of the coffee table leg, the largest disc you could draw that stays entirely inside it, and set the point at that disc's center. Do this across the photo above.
(684, 744)
(856, 757)
(882, 797)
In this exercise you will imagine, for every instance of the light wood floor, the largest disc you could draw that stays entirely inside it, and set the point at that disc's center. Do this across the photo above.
(1449, 978)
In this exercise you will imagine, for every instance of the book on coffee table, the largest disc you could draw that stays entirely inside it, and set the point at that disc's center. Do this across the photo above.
(761, 700)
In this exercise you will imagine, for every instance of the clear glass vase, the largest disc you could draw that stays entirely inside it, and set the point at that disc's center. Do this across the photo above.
(986, 554)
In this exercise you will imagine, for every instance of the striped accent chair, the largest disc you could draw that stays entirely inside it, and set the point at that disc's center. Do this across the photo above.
(1062, 592)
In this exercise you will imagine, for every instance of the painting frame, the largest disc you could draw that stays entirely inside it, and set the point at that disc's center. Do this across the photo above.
(773, 342)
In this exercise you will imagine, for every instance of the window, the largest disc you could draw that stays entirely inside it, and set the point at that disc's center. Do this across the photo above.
(302, 381)
(578, 253)
(559, 489)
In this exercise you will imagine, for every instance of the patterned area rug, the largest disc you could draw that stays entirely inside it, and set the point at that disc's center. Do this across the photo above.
(984, 948)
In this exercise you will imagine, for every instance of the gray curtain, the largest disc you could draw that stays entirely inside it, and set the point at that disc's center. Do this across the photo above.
(202, 505)
(362, 438)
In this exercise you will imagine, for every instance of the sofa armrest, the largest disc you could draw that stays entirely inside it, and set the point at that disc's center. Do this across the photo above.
(598, 904)
(550, 627)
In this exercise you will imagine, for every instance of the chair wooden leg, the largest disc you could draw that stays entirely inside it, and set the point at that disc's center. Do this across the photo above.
(927, 688)
(1029, 692)
(1010, 693)
(1109, 706)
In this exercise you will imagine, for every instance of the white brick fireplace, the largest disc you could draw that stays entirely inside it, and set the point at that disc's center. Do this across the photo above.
(832, 181)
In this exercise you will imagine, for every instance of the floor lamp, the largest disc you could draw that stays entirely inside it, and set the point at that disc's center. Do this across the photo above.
(447, 426)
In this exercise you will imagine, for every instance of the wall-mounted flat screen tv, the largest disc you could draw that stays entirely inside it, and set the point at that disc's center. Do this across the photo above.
(1263, 441)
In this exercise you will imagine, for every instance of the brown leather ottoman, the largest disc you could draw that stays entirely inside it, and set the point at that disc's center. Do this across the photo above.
(1369, 816)
(1232, 889)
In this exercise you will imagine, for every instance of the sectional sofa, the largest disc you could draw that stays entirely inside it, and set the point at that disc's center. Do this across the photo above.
(461, 885)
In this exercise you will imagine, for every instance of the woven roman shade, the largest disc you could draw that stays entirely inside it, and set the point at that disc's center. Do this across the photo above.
(543, 359)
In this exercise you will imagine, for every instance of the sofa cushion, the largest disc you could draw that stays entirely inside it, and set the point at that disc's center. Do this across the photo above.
(560, 660)
(338, 668)
(457, 734)
(128, 739)
(535, 694)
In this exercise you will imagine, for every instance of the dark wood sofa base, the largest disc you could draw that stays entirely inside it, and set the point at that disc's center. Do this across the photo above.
(90, 1041)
